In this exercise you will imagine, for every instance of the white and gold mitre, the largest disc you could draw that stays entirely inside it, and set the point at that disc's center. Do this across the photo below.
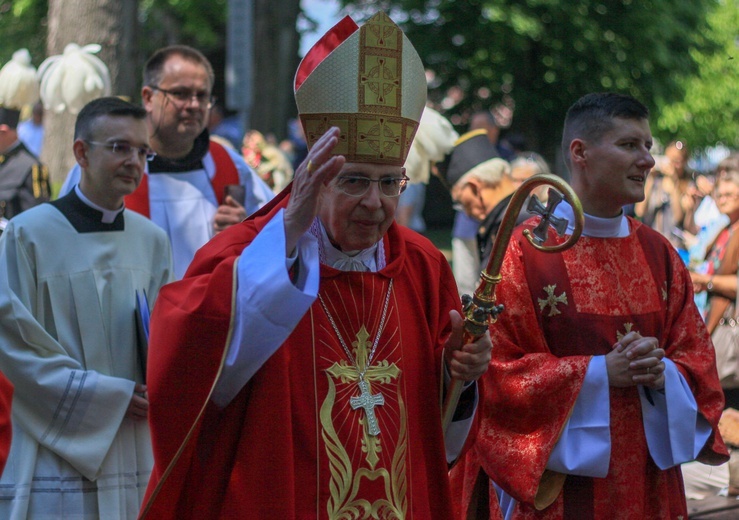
(367, 81)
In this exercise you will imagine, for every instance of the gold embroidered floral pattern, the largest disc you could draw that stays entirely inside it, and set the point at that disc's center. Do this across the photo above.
(604, 281)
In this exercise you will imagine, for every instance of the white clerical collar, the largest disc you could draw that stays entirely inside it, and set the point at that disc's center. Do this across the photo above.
(596, 227)
(362, 260)
(108, 214)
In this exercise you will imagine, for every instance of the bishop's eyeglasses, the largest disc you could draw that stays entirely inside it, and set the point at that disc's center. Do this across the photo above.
(356, 185)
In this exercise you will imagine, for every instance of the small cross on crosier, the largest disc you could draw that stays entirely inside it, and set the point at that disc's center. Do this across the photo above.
(368, 401)
(547, 216)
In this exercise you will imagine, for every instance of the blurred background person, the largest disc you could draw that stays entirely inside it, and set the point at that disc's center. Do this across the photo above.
(31, 131)
(410, 207)
(526, 165)
(479, 144)
(296, 143)
(484, 193)
(24, 181)
(469, 150)
(434, 139)
(717, 277)
(729, 163)
(222, 125)
(703, 218)
(271, 163)
(662, 208)
(700, 207)
(715, 285)
(515, 143)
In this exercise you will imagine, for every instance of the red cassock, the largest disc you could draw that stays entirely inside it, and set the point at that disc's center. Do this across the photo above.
(561, 309)
(6, 427)
(290, 445)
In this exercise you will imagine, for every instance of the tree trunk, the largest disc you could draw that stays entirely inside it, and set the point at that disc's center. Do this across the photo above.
(276, 45)
(109, 23)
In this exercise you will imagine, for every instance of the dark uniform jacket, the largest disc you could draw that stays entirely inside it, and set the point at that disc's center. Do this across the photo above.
(24, 181)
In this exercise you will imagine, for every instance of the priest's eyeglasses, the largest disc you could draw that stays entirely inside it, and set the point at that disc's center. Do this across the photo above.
(356, 186)
(124, 150)
(181, 97)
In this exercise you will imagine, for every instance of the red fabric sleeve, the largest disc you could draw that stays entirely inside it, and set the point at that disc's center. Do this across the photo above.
(189, 333)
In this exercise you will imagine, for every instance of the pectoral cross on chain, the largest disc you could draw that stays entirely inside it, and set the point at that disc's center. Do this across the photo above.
(547, 216)
(368, 401)
(363, 374)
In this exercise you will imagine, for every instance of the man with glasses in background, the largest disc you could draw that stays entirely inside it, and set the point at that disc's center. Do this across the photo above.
(195, 187)
(69, 274)
(298, 370)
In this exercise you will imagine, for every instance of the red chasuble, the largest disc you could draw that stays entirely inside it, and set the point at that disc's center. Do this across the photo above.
(561, 309)
(291, 444)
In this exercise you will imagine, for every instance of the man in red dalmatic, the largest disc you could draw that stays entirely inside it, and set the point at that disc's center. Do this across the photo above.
(603, 378)
(297, 370)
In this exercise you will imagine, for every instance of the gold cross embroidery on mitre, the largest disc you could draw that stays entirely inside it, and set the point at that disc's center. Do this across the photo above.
(381, 30)
(383, 138)
(381, 372)
(552, 301)
(381, 80)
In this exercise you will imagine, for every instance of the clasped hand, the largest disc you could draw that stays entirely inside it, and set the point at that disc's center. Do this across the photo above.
(466, 362)
(636, 360)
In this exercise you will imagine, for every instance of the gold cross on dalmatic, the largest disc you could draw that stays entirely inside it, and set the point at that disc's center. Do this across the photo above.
(380, 372)
(628, 327)
(552, 301)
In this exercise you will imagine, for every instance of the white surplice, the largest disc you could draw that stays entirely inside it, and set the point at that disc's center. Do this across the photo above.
(68, 344)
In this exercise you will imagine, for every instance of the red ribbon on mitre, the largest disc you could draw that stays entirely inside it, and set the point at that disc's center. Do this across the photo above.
(323, 47)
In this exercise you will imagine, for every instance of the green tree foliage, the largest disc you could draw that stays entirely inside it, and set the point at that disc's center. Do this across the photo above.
(23, 24)
(709, 113)
(544, 54)
(200, 23)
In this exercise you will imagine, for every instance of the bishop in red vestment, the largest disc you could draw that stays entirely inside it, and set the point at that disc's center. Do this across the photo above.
(603, 377)
(297, 370)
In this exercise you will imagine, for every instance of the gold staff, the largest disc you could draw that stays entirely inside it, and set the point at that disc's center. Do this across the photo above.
(481, 310)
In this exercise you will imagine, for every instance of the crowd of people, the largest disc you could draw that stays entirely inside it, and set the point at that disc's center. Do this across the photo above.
(204, 327)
